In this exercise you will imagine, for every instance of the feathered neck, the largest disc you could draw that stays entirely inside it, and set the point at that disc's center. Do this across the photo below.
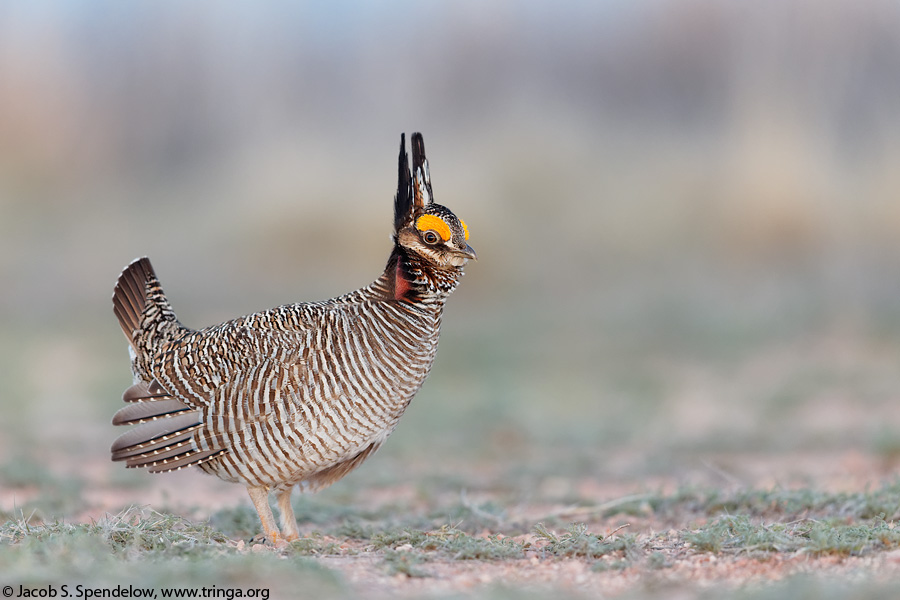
(408, 277)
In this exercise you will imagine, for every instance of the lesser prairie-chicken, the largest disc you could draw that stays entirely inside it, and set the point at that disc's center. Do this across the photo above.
(300, 394)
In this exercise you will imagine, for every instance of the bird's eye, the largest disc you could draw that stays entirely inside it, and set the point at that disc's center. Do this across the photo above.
(431, 237)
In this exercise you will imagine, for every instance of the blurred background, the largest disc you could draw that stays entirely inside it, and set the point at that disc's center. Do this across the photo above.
(687, 216)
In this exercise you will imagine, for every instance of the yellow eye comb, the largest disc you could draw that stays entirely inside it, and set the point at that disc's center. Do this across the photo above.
(426, 222)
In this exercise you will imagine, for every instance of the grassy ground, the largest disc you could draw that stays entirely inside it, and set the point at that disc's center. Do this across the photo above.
(690, 542)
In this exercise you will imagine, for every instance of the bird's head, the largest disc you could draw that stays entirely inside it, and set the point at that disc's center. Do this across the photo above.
(421, 226)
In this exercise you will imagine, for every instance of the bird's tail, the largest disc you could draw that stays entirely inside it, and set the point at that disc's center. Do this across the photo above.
(141, 305)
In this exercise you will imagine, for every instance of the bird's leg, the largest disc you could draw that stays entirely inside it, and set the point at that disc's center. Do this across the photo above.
(259, 494)
(288, 521)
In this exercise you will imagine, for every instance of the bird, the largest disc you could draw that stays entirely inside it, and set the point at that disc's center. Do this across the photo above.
(301, 394)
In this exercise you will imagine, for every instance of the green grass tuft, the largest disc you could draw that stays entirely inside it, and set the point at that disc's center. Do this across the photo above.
(452, 543)
(404, 563)
(738, 534)
(314, 545)
(578, 542)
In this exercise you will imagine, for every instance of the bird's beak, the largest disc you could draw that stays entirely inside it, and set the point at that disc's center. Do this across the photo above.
(468, 252)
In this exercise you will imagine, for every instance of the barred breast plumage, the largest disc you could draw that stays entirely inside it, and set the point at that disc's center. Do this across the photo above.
(299, 394)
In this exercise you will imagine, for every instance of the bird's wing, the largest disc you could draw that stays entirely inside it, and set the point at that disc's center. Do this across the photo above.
(208, 386)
